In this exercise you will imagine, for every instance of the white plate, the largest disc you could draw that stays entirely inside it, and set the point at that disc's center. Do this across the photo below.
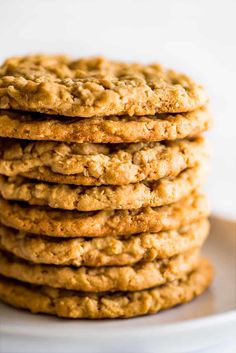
(200, 324)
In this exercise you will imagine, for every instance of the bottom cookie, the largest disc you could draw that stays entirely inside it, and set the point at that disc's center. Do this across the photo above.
(72, 304)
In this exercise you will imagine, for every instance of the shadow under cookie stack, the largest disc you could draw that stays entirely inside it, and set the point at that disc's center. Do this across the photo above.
(101, 166)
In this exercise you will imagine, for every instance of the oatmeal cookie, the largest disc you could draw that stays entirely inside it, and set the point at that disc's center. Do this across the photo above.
(95, 87)
(72, 304)
(105, 251)
(113, 129)
(82, 198)
(99, 164)
(60, 223)
(100, 279)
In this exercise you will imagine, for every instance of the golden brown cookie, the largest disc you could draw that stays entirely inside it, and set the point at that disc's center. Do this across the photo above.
(97, 164)
(107, 251)
(100, 279)
(94, 87)
(58, 223)
(82, 198)
(115, 129)
(71, 304)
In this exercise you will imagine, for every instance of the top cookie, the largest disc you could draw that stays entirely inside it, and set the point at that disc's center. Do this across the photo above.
(94, 87)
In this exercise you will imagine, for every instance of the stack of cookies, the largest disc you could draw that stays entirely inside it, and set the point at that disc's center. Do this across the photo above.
(101, 165)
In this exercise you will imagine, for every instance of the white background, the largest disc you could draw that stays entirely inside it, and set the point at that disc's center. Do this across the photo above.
(197, 37)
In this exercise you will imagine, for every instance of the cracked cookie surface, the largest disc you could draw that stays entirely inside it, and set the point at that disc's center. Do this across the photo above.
(100, 279)
(114, 129)
(106, 251)
(132, 196)
(94, 87)
(98, 164)
(69, 304)
(58, 223)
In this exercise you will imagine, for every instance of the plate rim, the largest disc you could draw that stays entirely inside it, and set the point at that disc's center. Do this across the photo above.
(228, 317)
